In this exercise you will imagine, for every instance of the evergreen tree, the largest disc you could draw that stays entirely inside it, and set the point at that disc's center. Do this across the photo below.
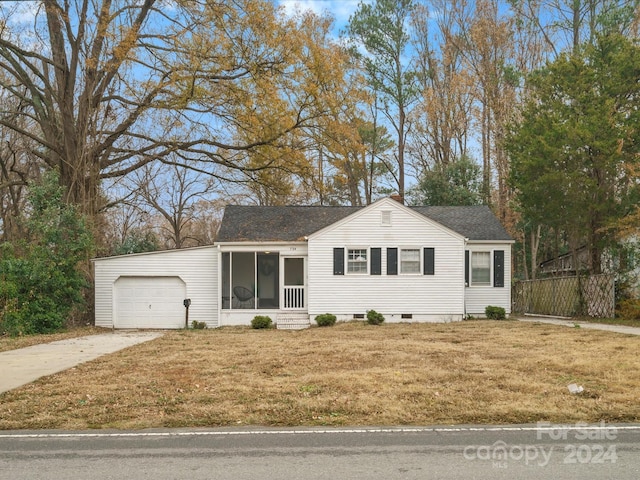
(457, 183)
(40, 279)
(574, 151)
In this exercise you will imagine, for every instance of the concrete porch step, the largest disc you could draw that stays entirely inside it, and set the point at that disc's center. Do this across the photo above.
(293, 321)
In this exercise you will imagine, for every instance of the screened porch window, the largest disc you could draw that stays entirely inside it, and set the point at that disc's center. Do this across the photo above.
(250, 280)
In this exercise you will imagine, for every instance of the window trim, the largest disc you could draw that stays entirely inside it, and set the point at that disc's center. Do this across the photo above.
(348, 262)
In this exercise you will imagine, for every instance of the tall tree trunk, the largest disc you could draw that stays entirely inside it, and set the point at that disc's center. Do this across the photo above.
(486, 154)
(401, 146)
(535, 244)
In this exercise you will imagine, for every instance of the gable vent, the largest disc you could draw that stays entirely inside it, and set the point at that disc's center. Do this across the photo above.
(385, 217)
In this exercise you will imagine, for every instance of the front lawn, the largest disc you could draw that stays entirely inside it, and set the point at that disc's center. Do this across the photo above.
(349, 374)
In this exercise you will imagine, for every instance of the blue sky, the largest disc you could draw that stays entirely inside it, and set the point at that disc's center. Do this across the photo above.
(339, 9)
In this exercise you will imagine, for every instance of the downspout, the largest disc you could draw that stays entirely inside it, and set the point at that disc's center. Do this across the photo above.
(219, 289)
(464, 276)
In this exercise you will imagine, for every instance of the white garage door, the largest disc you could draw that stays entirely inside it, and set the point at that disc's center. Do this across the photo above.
(149, 302)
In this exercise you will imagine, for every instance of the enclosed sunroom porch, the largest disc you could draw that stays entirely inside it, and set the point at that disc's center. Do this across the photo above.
(266, 282)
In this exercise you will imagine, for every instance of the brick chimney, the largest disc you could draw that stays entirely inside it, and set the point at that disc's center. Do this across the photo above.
(397, 197)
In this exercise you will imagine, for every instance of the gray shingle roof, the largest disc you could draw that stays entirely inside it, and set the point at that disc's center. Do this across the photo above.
(293, 223)
(474, 222)
(287, 223)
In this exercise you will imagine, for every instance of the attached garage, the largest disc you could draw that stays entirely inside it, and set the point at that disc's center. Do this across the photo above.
(149, 302)
(148, 290)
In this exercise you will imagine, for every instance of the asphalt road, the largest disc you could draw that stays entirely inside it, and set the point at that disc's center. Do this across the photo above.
(600, 451)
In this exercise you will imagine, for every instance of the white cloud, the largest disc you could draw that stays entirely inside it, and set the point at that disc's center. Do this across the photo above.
(19, 13)
(340, 10)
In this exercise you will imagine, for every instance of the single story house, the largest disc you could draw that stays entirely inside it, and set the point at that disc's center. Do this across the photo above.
(292, 263)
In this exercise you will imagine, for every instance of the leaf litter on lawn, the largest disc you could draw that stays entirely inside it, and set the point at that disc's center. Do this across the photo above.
(350, 374)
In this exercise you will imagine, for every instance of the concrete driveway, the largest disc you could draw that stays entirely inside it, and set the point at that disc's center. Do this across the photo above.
(25, 365)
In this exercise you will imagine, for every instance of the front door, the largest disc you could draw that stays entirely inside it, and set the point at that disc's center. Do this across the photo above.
(267, 280)
(294, 283)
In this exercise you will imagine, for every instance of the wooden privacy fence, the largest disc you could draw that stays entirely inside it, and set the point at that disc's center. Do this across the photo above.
(592, 296)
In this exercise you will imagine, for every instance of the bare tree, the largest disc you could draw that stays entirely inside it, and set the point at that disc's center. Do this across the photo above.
(443, 117)
(174, 195)
(17, 166)
(108, 86)
(567, 24)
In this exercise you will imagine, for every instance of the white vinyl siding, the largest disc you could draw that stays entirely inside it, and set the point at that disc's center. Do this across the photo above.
(478, 297)
(196, 267)
(436, 297)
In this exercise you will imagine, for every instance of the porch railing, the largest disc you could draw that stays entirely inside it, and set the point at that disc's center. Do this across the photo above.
(294, 297)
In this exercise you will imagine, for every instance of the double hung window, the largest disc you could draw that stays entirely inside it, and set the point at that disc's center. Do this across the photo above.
(409, 260)
(480, 268)
(357, 260)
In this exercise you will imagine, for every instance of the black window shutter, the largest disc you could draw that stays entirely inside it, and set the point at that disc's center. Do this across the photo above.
(429, 261)
(466, 267)
(392, 261)
(376, 261)
(498, 268)
(338, 261)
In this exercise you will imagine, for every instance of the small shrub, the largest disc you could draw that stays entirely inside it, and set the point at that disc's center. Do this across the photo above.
(374, 318)
(261, 321)
(196, 325)
(629, 309)
(495, 313)
(326, 320)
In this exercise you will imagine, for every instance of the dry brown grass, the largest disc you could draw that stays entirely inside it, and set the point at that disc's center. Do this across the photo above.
(350, 374)
(12, 343)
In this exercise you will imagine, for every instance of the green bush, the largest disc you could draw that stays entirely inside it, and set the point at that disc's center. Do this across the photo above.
(495, 313)
(196, 325)
(261, 321)
(326, 320)
(374, 318)
(42, 280)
